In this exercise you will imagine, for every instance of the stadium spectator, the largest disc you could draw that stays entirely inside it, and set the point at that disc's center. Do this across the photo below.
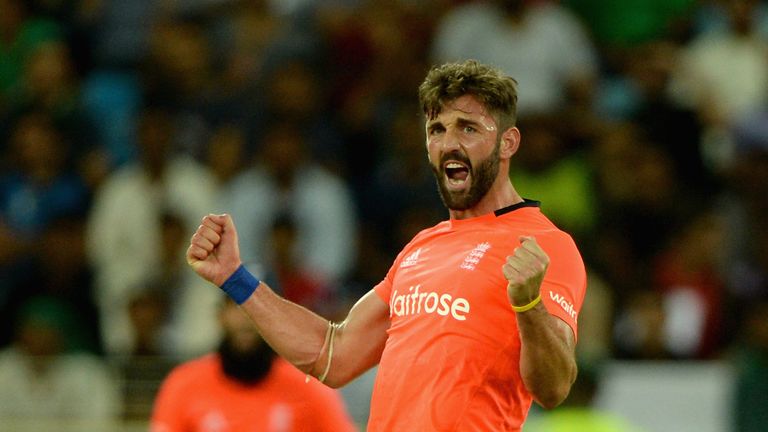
(341, 73)
(286, 180)
(547, 167)
(560, 59)
(723, 76)
(124, 233)
(751, 362)
(44, 375)
(36, 192)
(20, 35)
(50, 86)
(745, 211)
(289, 277)
(687, 273)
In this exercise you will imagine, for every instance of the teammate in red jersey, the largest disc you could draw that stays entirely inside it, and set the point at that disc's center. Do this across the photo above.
(476, 318)
(245, 387)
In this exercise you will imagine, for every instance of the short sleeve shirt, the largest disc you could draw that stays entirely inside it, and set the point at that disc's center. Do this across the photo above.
(198, 397)
(452, 358)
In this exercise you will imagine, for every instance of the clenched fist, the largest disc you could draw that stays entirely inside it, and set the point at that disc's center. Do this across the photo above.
(525, 271)
(213, 252)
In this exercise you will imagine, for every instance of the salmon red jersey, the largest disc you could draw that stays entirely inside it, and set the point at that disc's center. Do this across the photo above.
(452, 358)
(197, 397)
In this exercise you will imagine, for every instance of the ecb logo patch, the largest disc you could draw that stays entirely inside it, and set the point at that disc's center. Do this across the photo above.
(474, 256)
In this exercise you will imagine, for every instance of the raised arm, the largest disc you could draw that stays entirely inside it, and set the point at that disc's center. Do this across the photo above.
(297, 334)
(547, 356)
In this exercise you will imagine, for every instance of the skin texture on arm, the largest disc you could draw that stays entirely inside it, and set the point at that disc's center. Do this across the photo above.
(299, 335)
(547, 357)
(294, 332)
(547, 360)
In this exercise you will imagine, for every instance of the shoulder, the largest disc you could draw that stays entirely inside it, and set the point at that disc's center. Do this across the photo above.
(422, 237)
(561, 248)
(566, 265)
(531, 221)
(529, 218)
(439, 228)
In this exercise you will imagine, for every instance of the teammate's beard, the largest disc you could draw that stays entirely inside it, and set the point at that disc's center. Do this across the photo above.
(247, 367)
(482, 179)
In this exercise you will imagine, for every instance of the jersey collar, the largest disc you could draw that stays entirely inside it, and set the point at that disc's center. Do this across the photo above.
(526, 203)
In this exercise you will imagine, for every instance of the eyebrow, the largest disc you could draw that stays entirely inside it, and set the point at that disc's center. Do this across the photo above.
(460, 121)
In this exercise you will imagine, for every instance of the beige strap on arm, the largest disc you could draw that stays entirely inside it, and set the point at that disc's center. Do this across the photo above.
(322, 377)
(329, 336)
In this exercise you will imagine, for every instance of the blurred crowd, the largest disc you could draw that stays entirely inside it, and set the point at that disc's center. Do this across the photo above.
(645, 135)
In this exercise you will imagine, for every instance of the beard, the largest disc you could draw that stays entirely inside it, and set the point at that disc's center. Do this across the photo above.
(482, 179)
(246, 367)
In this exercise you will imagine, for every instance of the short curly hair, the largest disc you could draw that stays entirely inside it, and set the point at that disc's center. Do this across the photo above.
(493, 88)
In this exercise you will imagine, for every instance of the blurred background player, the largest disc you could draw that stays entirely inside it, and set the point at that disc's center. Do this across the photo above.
(245, 386)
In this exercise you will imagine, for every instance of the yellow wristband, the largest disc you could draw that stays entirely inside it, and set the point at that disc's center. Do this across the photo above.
(529, 306)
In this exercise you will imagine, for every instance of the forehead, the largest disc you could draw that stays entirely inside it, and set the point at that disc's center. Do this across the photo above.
(466, 107)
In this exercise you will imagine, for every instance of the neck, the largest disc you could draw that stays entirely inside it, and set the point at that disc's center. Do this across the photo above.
(501, 195)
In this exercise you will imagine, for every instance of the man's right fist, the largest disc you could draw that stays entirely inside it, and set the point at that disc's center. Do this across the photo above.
(213, 251)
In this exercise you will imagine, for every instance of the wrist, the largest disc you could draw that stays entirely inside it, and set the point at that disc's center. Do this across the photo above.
(240, 285)
(524, 307)
(222, 278)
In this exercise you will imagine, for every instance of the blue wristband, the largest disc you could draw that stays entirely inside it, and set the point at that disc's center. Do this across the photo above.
(240, 285)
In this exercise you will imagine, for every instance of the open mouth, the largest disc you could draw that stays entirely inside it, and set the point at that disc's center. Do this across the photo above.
(456, 173)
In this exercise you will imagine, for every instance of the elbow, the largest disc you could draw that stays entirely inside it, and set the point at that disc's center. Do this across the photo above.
(553, 397)
(553, 394)
(335, 381)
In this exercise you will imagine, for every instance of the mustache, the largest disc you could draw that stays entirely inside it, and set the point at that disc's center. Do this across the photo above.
(456, 156)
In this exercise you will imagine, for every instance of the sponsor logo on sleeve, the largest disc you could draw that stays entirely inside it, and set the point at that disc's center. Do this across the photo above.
(565, 304)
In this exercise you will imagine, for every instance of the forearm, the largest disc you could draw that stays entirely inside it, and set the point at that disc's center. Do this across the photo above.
(293, 331)
(302, 337)
(547, 360)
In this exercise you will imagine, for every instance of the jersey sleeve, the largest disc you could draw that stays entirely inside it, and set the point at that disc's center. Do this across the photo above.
(384, 288)
(565, 283)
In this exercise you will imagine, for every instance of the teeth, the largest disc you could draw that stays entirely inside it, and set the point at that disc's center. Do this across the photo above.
(454, 165)
(455, 182)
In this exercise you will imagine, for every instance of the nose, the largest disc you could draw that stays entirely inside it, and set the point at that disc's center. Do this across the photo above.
(451, 141)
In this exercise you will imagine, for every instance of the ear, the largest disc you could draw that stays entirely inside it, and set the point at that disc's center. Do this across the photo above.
(510, 142)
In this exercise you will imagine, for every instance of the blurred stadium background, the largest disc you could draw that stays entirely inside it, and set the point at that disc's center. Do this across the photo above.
(645, 135)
